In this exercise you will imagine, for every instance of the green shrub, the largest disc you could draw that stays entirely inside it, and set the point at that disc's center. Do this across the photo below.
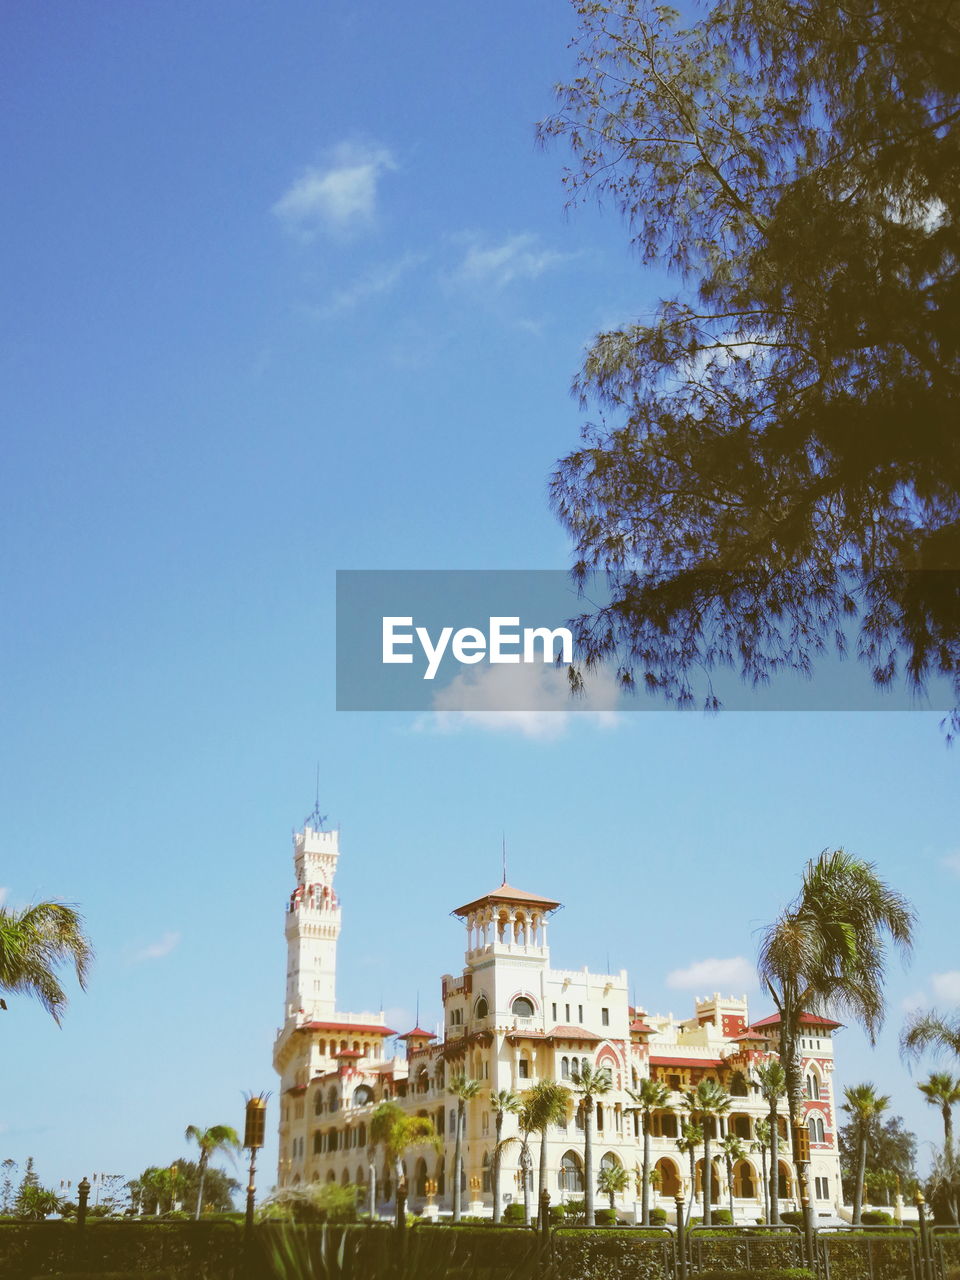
(658, 1217)
(558, 1213)
(767, 1273)
(718, 1218)
(514, 1213)
(605, 1217)
(792, 1218)
(876, 1218)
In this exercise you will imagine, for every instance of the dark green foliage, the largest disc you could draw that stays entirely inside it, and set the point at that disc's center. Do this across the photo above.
(876, 1218)
(658, 1217)
(745, 1248)
(558, 1214)
(605, 1217)
(776, 450)
(719, 1218)
(513, 1213)
(598, 1254)
(891, 1152)
(188, 1250)
(774, 1273)
(792, 1217)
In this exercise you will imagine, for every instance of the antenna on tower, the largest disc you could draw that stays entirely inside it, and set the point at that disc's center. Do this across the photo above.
(416, 1021)
(315, 818)
(503, 851)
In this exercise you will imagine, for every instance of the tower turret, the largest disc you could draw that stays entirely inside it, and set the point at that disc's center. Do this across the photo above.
(313, 926)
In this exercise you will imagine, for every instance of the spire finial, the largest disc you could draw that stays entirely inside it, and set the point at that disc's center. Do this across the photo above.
(315, 818)
(416, 1021)
(503, 850)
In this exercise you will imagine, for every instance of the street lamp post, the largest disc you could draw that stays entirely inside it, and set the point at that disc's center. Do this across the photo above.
(253, 1135)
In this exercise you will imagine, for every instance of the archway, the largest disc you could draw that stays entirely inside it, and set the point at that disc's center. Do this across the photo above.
(744, 1181)
(571, 1172)
(669, 1177)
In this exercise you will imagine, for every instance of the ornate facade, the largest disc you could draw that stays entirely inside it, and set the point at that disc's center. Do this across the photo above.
(511, 1020)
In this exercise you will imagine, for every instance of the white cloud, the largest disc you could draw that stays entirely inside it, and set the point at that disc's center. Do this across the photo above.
(3, 895)
(533, 701)
(371, 284)
(338, 196)
(157, 950)
(946, 986)
(734, 974)
(915, 1000)
(952, 862)
(516, 258)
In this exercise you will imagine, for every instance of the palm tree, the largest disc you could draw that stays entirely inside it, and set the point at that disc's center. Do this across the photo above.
(864, 1104)
(545, 1104)
(652, 1096)
(611, 1181)
(733, 1150)
(827, 951)
(589, 1082)
(762, 1144)
(772, 1080)
(395, 1131)
(37, 941)
(464, 1090)
(220, 1137)
(691, 1135)
(933, 1030)
(501, 1103)
(943, 1090)
(706, 1101)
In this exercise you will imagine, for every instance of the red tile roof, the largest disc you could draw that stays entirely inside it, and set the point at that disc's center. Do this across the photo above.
(806, 1019)
(507, 893)
(573, 1033)
(418, 1031)
(637, 1025)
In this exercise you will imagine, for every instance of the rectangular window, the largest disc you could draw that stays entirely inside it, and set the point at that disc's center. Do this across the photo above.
(554, 1008)
(567, 1014)
(524, 1069)
(605, 1017)
(484, 1124)
(580, 1015)
(453, 1120)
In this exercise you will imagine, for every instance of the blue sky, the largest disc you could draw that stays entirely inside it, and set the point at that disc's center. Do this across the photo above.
(291, 289)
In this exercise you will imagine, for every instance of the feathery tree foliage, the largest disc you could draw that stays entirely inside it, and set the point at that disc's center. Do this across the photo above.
(772, 1080)
(589, 1083)
(891, 1155)
(733, 1151)
(652, 1095)
(37, 941)
(219, 1137)
(395, 1131)
(828, 951)
(464, 1090)
(612, 1180)
(502, 1103)
(776, 451)
(943, 1090)
(706, 1103)
(864, 1105)
(546, 1103)
(691, 1136)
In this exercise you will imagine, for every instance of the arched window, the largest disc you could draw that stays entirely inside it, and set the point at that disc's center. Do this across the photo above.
(571, 1172)
(362, 1136)
(317, 1143)
(332, 1099)
(740, 1126)
(420, 1178)
(318, 1103)
(669, 1178)
(744, 1183)
(362, 1094)
(738, 1085)
(486, 1171)
(609, 1161)
(564, 1068)
(331, 1176)
(345, 1178)
(481, 1009)
(815, 1125)
(813, 1086)
(522, 1007)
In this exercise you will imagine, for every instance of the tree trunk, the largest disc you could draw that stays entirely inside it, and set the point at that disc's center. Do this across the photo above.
(496, 1167)
(693, 1182)
(707, 1175)
(948, 1158)
(861, 1171)
(542, 1178)
(774, 1165)
(373, 1189)
(645, 1217)
(458, 1161)
(766, 1185)
(729, 1164)
(590, 1213)
(790, 1058)
(203, 1173)
(525, 1166)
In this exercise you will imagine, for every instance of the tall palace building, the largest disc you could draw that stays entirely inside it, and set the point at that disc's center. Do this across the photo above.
(510, 1019)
